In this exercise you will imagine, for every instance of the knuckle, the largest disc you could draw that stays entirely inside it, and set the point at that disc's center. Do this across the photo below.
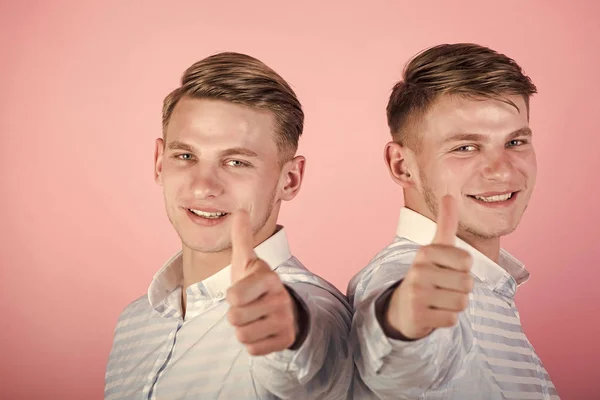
(232, 296)
(253, 350)
(415, 293)
(416, 274)
(451, 319)
(233, 316)
(284, 319)
(463, 302)
(465, 258)
(283, 298)
(272, 278)
(468, 283)
(424, 252)
(242, 335)
(291, 338)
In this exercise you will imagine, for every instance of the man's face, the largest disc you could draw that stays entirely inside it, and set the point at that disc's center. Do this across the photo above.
(481, 152)
(218, 157)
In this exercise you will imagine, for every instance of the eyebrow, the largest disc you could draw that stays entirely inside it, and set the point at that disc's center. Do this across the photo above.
(234, 151)
(521, 132)
(476, 137)
(239, 151)
(177, 145)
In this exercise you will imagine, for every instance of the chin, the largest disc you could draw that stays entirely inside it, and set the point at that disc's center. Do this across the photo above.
(206, 247)
(489, 232)
(205, 242)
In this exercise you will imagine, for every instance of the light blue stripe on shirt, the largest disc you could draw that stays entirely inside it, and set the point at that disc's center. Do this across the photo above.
(157, 354)
(485, 356)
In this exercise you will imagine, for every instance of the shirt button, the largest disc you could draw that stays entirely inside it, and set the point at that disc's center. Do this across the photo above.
(219, 295)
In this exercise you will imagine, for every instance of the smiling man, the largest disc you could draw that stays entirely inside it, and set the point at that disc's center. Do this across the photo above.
(233, 315)
(435, 316)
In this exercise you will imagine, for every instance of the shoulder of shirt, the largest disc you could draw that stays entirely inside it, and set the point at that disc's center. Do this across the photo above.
(138, 307)
(292, 271)
(399, 251)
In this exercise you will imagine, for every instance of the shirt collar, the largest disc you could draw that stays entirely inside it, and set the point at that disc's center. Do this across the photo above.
(274, 251)
(508, 272)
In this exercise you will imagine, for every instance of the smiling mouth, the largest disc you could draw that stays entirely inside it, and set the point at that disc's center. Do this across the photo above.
(208, 215)
(495, 198)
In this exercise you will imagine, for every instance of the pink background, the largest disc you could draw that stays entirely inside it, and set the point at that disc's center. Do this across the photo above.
(83, 225)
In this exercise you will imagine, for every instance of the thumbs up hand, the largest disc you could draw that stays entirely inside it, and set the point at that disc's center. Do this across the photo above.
(262, 311)
(436, 287)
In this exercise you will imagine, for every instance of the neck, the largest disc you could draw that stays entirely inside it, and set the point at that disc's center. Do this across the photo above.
(198, 266)
(489, 247)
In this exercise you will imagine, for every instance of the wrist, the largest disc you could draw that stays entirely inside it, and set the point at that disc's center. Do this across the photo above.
(384, 309)
(301, 319)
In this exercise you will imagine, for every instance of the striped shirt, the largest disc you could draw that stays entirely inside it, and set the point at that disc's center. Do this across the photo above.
(157, 354)
(485, 356)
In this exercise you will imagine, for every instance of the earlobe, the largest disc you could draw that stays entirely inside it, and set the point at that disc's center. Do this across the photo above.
(158, 160)
(293, 172)
(395, 157)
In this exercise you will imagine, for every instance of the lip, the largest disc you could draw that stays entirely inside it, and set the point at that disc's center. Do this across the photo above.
(205, 209)
(488, 194)
(495, 204)
(198, 220)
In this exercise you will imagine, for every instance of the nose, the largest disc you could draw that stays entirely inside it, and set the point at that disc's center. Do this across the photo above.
(205, 184)
(498, 167)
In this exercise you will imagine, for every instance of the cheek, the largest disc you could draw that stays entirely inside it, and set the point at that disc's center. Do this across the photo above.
(451, 175)
(526, 164)
(174, 181)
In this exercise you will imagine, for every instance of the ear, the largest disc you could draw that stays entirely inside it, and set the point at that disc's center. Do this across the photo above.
(399, 160)
(159, 150)
(292, 175)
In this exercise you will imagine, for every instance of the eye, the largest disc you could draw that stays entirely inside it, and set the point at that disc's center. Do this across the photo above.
(516, 142)
(184, 156)
(236, 163)
(465, 149)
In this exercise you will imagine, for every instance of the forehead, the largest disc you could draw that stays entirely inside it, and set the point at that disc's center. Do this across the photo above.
(209, 122)
(450, 115)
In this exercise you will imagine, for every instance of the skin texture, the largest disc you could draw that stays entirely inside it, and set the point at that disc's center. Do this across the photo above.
(218, 156)
(467, 147)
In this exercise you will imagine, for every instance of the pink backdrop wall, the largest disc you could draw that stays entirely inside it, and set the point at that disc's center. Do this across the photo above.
(83, 226)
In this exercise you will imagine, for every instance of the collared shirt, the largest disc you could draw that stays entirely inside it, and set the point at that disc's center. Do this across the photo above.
(157, 354)
(485, 356)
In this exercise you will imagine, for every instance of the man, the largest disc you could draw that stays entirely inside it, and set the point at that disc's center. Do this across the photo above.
(435, 314)
(263, 327)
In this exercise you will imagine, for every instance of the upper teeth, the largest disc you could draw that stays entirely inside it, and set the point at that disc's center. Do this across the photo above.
(208, 214)
(499, 197)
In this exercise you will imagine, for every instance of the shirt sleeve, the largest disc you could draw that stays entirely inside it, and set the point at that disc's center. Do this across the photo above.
(396, 369)
(322, 367)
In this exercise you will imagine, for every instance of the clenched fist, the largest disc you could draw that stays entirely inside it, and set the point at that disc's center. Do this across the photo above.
(261, 309)
(436, 287)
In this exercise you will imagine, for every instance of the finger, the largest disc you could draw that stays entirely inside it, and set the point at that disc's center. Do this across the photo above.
(432, 276)
(264, 306)
(457, 281)
(439, 318)
(265, 328)
(447, 221)
(260, 281)
(242, 244)
(448, 300)
(444, 256)
(272, 344)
